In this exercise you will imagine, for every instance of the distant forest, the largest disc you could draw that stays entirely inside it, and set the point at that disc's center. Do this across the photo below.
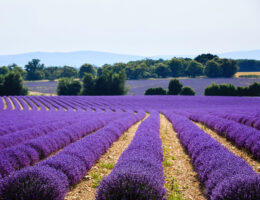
(203, 65)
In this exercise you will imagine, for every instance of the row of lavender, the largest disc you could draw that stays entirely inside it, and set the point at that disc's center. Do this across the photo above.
(138, 173)
(51, 178)
(24, 148)
(224, 175)
(241, 135)
(89, 103)
(45, 103)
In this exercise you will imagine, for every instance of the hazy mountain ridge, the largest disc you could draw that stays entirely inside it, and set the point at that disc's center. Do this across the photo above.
(77, 58)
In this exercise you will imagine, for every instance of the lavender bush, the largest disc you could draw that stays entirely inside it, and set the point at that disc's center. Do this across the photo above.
(138, 174)
(224, 175)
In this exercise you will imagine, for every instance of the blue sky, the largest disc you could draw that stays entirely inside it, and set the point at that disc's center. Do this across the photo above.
(140, 27)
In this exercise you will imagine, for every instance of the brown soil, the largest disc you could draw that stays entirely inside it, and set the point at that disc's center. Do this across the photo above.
(21, 107)
(86, 189)
(12, 103)
(231, 147)
(5, 105)
(180, 178)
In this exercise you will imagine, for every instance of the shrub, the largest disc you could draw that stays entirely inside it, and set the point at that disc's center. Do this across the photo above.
(12, 84)
(254, 89)
(67, 86)
(187, 91)
(174, 87)
(155, 91)
(231, 90)
(220, 90)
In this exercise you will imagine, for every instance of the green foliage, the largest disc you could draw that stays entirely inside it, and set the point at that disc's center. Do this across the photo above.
(220, 90)
(87, 68)
(229, 67)
(107, 83)
(187, 91)
(174, 87)
(194, 69)
(4, 70)
(176, 66)
(204, 58)
(15, 68)
(34, 70)
(107, 165)
(1, 84)
(68, 86)
(12, 84)
(88, 85)
(162, 70)
(253, 89)
(51, 73)
(231, 90)
(213, 69)
(67, 72)
(246, 65)
(249, 76)
(155, 91)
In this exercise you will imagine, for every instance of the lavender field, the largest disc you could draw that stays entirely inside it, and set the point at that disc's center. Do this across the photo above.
(138, 87)
(129, 147)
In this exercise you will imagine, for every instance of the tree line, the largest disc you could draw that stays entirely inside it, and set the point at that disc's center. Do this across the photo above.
(107, 84)
(203, 65)
(176, 88)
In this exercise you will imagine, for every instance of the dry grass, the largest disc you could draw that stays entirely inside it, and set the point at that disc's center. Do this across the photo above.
(180, 178)
(32, 93)
(246, 73)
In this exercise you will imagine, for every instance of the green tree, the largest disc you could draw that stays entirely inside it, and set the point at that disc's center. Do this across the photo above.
(162, 70)
(12, 84)
(51, 73)
(194, 69)
(88, 85)
(118, 83)
(2, 79)
(103, 83)
(204, 58)
(68, 86)
(117, 67)
(174, 87)
(187, 91)
(20, 70)
(176, 67)
(229, 67)
(155, 91)
(68, 72)
(213, 69)
(4, 70)
(87, 68)
(34, 70)
(254, 89)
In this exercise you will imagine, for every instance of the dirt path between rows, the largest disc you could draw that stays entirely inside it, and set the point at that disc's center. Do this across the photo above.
(180, 178)
(86, 189)
(231, 147)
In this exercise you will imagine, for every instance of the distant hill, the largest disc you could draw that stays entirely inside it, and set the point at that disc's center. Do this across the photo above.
(254, 54)
(78, 58)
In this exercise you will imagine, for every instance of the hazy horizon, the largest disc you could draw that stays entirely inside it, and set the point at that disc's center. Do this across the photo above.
(145, 28)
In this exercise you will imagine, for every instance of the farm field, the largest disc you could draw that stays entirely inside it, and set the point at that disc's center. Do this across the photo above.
(247, 73)
(138, 87)
(129, 147)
